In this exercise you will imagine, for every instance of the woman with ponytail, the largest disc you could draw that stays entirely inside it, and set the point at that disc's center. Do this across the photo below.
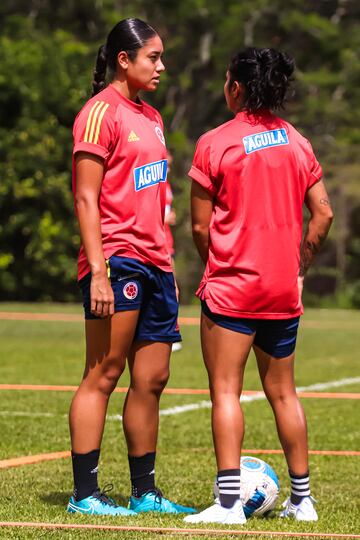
(251, 177)
(124, 267)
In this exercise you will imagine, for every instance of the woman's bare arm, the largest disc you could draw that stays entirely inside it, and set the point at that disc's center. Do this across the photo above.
(89, 175)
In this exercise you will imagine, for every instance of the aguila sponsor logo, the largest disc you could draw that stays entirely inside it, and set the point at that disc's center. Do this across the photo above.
(265, 139)
(150, 174)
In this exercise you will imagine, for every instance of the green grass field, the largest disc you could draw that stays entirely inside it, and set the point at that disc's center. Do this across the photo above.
(35, 422)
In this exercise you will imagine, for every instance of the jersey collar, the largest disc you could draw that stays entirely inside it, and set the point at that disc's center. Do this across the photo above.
(254, 118)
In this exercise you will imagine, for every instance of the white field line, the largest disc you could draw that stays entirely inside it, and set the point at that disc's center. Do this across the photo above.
(330, 384)
(247, 399)
(202, 404)
(174, 410)
(33, 414)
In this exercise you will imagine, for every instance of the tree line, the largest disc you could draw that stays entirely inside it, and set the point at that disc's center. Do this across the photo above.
(48, 51)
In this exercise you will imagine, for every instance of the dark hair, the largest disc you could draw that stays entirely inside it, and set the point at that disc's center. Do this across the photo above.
(128, 35)
(266, 76)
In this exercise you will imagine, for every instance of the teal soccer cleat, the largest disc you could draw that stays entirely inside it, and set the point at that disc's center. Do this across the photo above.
(98, 504)
(153, 501)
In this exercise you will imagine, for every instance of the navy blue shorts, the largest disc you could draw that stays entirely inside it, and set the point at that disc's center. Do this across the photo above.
(276, 337)
(146, 288)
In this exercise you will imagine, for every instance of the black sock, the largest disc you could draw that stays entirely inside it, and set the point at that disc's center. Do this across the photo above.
(142, 473)
(229, 487)
(85, 469)
(300, 487)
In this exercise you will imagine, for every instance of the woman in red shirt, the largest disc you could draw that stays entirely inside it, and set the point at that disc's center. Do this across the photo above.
(124, 268)
(251, 177)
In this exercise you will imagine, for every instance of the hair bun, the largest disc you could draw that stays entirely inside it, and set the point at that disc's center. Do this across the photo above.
(276, 60)
(266, 75)
(287, 64)
(266, 57)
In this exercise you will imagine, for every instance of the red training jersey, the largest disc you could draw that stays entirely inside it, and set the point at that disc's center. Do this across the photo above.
(129, 137)
(257, 167)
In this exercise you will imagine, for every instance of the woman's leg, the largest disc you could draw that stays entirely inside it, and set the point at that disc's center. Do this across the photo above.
(277, 377)
(149, 373)
(107, 345)
(225, 353)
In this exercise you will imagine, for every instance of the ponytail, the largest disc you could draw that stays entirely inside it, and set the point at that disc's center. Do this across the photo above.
(99, 83)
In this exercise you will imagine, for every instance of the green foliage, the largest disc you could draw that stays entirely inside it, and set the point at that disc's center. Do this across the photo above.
(48, 50)
(41, 88)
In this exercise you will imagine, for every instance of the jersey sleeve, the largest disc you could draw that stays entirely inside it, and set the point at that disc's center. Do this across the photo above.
(200, 170)
(316, 172)
(94, 129)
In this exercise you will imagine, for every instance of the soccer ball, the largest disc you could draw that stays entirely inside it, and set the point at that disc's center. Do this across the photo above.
(259, 487)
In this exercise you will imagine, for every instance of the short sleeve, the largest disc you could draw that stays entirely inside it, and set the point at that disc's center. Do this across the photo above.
(94, 129)
(316, 172)
(201, 167)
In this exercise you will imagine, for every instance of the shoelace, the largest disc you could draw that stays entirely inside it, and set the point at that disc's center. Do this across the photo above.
(158, 495)
(103, 497)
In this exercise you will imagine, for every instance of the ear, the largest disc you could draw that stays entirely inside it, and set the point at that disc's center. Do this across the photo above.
(123, 59)
(237, 90)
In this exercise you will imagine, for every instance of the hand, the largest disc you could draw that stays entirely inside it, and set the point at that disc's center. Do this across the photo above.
(102, 296)
(170, 218)
(177, 291)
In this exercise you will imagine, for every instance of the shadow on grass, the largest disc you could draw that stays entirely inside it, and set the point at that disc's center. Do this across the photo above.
(61, 498)
(55, 498)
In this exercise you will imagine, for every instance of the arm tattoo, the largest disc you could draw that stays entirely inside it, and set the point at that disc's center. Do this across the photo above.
(308, 251)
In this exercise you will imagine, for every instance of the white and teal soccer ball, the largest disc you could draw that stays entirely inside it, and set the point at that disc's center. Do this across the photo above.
(259, 486)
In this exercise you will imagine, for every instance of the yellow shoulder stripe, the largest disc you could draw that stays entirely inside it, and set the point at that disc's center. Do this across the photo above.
(93, 124)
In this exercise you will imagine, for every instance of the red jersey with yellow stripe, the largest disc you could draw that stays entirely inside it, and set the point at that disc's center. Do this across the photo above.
(257, 169)
(128, 136)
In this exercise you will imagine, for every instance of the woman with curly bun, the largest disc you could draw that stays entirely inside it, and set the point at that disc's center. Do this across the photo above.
(124, 267)
(250, 178)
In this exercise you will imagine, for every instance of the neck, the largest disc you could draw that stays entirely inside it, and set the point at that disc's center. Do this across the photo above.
(238, 108)
(123, 87)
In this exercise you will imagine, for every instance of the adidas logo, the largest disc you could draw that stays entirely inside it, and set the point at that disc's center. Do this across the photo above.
(133, 137)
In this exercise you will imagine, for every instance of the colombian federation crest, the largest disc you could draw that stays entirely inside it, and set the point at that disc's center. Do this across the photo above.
(130, 290)
(160, 134)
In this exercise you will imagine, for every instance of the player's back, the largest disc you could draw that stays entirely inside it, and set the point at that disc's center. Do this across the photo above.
(261, 168)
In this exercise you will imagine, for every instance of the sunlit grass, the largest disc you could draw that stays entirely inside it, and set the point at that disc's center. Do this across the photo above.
(53, 352)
